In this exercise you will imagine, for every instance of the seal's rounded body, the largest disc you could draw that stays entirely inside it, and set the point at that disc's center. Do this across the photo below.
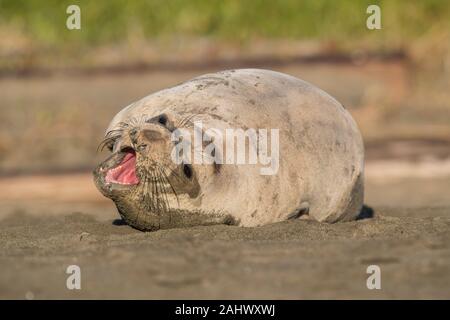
(319, 173)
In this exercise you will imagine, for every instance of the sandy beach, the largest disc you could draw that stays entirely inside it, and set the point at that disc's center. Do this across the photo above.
(57, 226)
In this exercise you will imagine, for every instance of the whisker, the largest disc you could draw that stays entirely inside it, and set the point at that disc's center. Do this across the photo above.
(158, 200)
(143, 199)
(106, 141)
(163, 172)
(175, 174)
(186, 120)
(123, 125)
(163, 182)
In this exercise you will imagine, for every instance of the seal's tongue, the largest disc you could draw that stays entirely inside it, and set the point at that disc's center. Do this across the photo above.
(125, 172)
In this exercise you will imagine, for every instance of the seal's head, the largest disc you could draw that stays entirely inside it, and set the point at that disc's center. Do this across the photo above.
(147, 186)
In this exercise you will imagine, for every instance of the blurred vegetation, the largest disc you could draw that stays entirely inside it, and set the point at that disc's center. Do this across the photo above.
(52, 116)
(105, 22)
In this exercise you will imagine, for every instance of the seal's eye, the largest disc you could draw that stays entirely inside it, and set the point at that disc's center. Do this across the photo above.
(162, 119)
(187, 170)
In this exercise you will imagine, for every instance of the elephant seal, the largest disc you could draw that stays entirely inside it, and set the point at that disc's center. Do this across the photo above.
(318, 173)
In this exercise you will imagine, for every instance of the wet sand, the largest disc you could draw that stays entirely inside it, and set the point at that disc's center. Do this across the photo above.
(67, 222)
(288, 260)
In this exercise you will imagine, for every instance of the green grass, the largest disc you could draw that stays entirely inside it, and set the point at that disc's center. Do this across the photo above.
(105, 22)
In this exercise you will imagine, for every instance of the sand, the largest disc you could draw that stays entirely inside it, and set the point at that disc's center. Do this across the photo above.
(50, 222)
(289, 260)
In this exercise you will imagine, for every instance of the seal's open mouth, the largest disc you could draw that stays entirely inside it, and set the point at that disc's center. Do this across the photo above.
(125, 172)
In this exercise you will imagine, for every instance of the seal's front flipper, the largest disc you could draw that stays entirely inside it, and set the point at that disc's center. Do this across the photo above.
(301, 212)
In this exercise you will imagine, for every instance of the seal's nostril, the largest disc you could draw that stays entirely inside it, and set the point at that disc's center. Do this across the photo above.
(133, 132)
(142, 147)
